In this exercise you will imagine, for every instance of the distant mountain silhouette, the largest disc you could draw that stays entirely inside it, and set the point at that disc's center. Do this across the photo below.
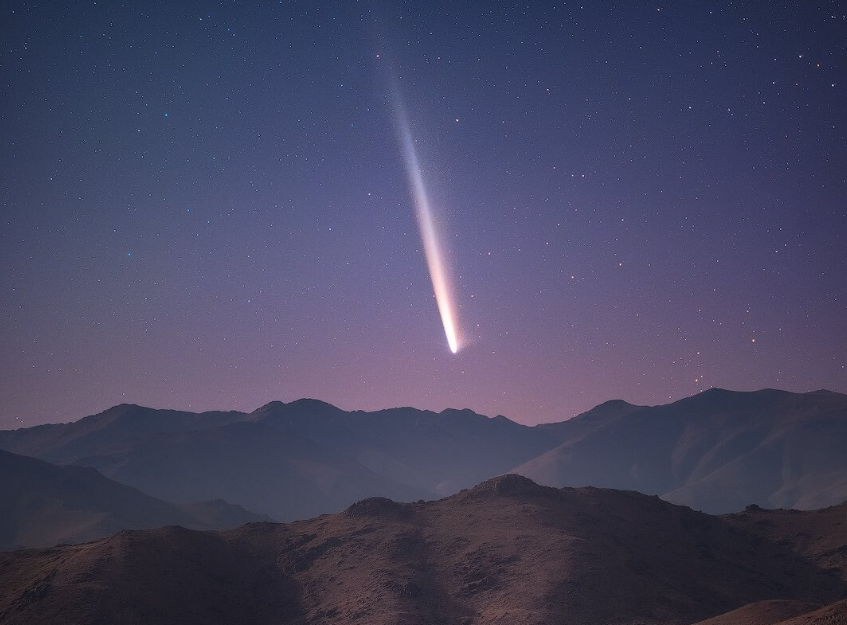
(717, 451)
(44, 505)
(290, 461)
(438, 452)
(506, 551)
(185, 457)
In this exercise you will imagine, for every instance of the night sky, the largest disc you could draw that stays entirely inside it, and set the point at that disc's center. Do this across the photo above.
(203, 205)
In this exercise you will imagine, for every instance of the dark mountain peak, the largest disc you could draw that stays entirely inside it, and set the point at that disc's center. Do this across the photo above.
(134, 420)
(308, 402)
(615, 403)
(464, 413)
(305, 406)
(379, 507)
(714, 393)
(713, 399)
(715, 390)
(459, 411)
(122, 415)
(133, 413)
(271, 406)
(730, 394)
(770, 399)
(116, 409)
(397, 410)
(607, 411)
(771, 394)
(510, 484)
(825, 392)
(116, 412)
(612, 406)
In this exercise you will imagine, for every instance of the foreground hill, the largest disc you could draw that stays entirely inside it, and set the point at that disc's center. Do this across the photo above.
(43, 505)
(819, 536)
(783, 613)
(833, 614)
(507, 551)
(717, 451)
(763, 613)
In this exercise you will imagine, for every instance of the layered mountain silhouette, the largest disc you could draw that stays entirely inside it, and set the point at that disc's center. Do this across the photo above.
(506, 551)
(717, 452)
(43, 505)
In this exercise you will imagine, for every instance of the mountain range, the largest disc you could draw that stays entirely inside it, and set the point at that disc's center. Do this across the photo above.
(505, 551)
(717, 451)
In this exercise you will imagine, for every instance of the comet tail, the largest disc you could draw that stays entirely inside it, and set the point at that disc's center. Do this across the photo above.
(429, 235)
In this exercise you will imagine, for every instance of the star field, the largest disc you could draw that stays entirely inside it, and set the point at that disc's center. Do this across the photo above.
(203, 204)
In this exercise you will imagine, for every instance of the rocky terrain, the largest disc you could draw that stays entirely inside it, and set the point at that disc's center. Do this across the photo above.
(506, 551)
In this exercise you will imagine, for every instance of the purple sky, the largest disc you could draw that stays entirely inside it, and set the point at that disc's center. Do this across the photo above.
(203, 204)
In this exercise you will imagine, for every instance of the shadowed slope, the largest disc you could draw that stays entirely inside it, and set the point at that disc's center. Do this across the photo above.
(717, 451)
(167, 575)
(43, 504)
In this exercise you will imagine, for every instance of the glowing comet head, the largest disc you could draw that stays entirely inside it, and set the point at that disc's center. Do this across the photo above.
(429, 234)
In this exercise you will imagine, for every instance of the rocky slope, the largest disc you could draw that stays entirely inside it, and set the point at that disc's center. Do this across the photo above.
(506, 551)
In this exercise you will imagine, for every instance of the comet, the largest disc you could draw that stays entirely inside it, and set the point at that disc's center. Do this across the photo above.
(426, 225)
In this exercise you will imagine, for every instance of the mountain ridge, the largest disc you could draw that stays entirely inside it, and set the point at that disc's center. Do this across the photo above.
(717, 451)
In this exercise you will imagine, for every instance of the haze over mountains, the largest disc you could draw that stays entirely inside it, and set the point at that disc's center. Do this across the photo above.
(506, 551)
(717, 452)
(43, 504)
